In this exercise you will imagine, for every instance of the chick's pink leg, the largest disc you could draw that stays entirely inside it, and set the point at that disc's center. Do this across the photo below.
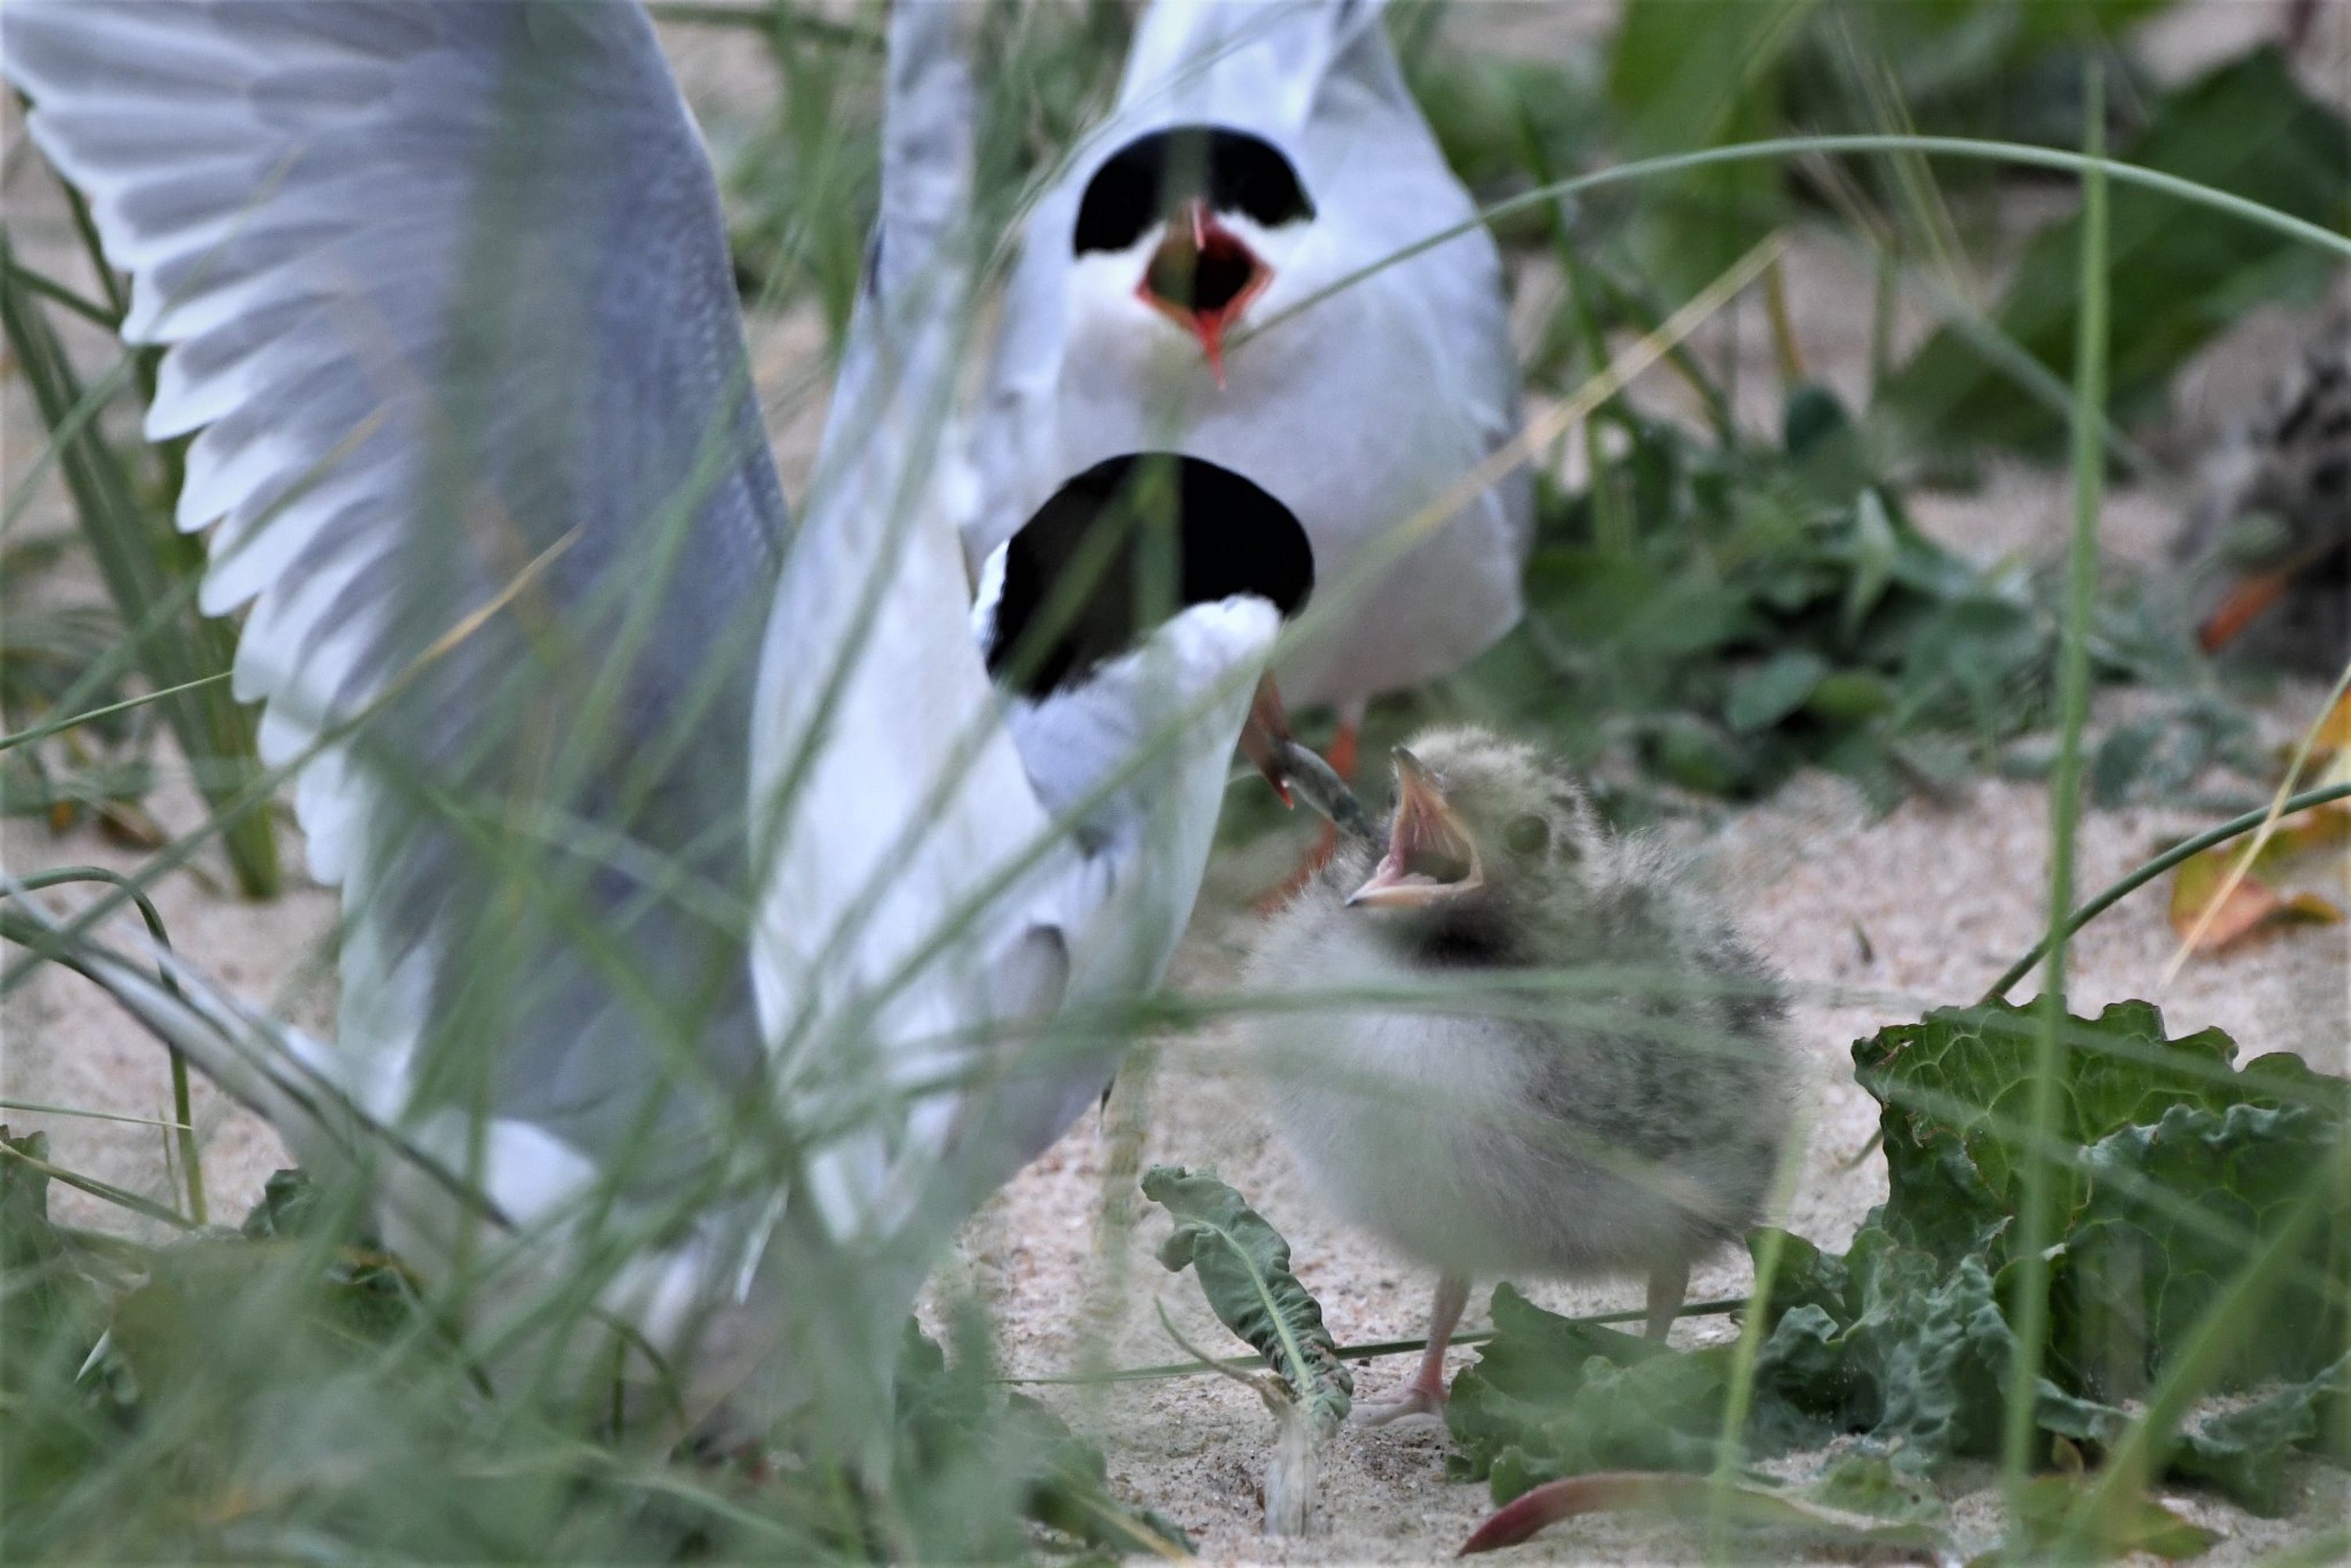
(1424, 1395)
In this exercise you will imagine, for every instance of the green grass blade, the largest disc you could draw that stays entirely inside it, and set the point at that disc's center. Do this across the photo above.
(143, 562)
(183, 1118)
(74, 721)
(2019, 154)
(2021, 1433)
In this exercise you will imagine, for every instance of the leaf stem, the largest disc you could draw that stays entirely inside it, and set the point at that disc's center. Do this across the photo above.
(1349, 1351)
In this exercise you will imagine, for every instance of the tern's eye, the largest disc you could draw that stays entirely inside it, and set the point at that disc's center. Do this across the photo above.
(1526, 835)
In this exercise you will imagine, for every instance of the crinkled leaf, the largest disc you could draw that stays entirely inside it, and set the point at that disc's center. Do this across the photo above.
(2171, 1213)
(2244, 1453)
(1549, 1397)
(1899, 1347)
(1955, 1087)
(1243, 1267)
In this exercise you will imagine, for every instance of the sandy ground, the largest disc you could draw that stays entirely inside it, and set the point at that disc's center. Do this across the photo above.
(1873, 920)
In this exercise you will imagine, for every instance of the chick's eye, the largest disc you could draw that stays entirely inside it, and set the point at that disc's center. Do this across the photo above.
(1526, 835)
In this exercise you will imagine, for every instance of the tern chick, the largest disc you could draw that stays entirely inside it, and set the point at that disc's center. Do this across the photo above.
(1629, 1123)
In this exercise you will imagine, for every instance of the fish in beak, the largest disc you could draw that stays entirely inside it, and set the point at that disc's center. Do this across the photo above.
(1202, 277)
(1430, 857)
(1266, 739)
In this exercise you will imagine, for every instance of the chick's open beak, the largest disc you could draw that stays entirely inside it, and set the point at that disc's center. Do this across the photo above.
(1202, 277)
(1265, 736)
(1431, 855)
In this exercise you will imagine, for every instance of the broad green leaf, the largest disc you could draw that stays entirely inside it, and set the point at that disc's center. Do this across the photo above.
(1772, 690)
(2139, 1272)
(1915, 1356)
(1695, 73)
(1951, 1086)
(1243, 1267)
(2180, 272)
(1549, 1397)
(2246, 1453)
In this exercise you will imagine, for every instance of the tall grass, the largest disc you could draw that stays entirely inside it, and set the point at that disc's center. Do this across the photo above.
(2034, 1221)
(143, 561)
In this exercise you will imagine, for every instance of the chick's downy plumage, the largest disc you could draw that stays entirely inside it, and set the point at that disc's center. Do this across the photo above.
(1629, 1126)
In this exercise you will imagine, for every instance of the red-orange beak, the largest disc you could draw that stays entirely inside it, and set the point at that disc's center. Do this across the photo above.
(1202, 277)
(2246, 603)
(1265, 736)
(1430, 854)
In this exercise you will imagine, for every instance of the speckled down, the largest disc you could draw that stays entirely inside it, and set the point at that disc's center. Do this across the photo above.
(1628, 1127)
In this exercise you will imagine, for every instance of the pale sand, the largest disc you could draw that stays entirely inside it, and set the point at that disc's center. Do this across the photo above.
(1873, 919)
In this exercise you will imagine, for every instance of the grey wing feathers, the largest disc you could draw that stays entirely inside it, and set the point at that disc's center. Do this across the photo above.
(447, 297)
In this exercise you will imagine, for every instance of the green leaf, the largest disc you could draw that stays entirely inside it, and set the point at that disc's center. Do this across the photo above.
(1549, 1397)
(2172, 1212)
(2180, 274)
(1849, 696)
(1695, 73)
(1243, 1267)
(1916, 1357)
(289, 1206)
(1768, 693)
(1876, 551)
(2042, 1530)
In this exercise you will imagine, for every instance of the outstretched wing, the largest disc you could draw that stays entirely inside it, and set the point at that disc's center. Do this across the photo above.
(449, 309)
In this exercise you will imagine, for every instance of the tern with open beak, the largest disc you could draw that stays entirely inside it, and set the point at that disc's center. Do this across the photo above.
(709, 893)
(1631, 1123)
(1261, 154)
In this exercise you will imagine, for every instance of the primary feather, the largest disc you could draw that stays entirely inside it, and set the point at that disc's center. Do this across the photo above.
(447, 303)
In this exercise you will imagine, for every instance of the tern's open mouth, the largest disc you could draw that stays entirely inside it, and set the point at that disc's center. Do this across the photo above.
(1430, 854)
(1202, 278)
